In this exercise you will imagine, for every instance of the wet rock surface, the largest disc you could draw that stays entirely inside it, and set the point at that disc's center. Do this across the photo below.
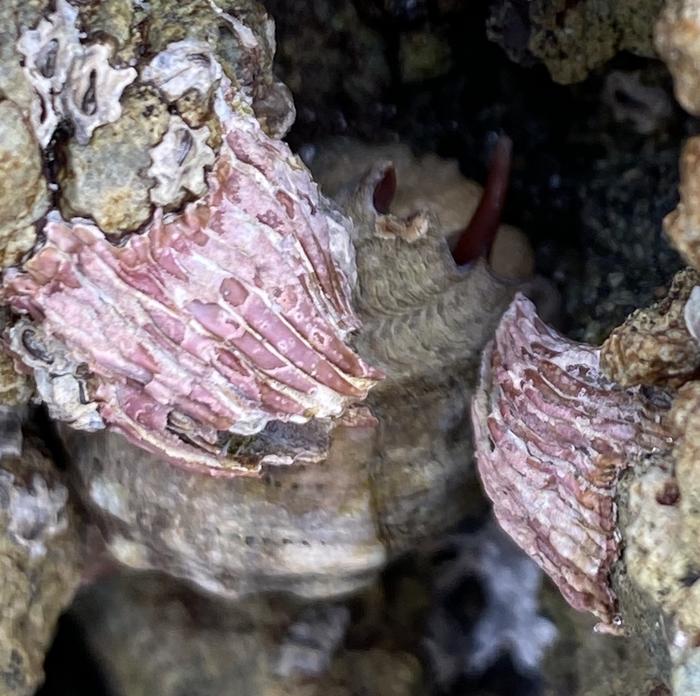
(572, 39)
(261, 646)
(40, 562)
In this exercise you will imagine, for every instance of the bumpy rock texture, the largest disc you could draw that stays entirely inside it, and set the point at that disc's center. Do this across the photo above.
(40, 563)
(678, 44)
(23, 193)
(654, 345)
(683, 224)
(573, 38)
(662, 521)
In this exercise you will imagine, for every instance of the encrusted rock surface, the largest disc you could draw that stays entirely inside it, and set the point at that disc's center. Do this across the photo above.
(573, 38)
(77, 76)
(683, 224)
(115, 196)
(15, 388)
(71, 80)
(654, 345)
(179, 145)
(40, 563)
(678, 43)
(659, 517)
(23, 192)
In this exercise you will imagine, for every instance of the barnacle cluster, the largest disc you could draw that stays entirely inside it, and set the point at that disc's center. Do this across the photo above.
(175, 339)
(261, 388)
(590, 454)
(225, 346)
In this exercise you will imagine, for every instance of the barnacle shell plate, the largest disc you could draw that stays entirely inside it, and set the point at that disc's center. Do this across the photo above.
(222, 318)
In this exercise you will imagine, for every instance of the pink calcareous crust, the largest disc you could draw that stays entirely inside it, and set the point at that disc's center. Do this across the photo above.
(222, 318)
(553, 435)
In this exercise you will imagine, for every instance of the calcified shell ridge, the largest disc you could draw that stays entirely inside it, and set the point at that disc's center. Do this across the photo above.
(219, 319)
(553, 435)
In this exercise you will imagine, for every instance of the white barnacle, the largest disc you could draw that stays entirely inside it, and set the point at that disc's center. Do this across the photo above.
(94, 88)
(182, 66)
(48, 53)
(56, 374)
(70, 80)
(179, 163)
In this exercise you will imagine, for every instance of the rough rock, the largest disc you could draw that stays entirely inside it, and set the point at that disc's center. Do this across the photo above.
(683, 224)
(115, 195)
(199, 645)
(65, 72)
(654, 345)
(40, 557)
(678, 44)
(23, 190)
(573, 38)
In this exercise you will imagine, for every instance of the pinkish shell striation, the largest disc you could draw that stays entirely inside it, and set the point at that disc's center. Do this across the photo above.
(553, 435)
(222, 318)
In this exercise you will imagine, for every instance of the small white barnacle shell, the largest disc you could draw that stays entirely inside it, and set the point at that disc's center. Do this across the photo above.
(179, 163)
(58, 377)
(70, 80)
(182, 66)
(94, 89)
(48, 52)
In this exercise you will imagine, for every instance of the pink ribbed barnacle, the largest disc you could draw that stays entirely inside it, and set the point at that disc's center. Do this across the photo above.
(217, 320)
(553, 435)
